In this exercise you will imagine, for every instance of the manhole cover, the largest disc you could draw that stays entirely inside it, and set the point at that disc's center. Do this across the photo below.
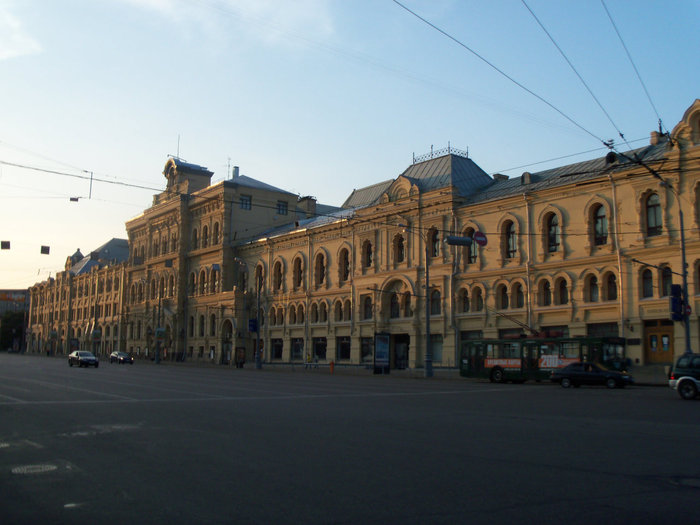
(33, 469)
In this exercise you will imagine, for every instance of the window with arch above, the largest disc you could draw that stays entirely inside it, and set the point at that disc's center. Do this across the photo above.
(338, 312)
(394, 310)
(212, 324)
(600, 226)
(259, 276)
(323, 312)
(435, 302)
(367, 254)
(666, 281)
(502, 297)
(205, 236)
(553, 233)
(545, 293)
(592, 289)
(464, 301)
(195, 239)
(478, 300)
(470, 251)
(344, 265)
(277, 276)
(510, 240)
(433, 242)
(201, 326)
(292, 315)
(647, 283)
(202, 282)
(367, 307)
(653, 215)
(399, 249)
(215, 234)
(562, 288)
(320, 270)
(297, 273)
(611, 287)
(347, 310)
(300, 314)
(280, 316)
(518, 296)
(313, 315)
(406, 304)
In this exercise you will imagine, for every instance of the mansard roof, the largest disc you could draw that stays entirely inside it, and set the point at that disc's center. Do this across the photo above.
(114, 251)
(504, 187)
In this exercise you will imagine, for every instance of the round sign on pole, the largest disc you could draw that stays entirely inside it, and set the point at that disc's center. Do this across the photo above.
(480, 238)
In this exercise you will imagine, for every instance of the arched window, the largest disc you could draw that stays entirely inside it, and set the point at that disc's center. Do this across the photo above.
(277, 276)
(323, 313)
(510, 240)
(406, 304)
(313, 316)
(545, 293)
(205, 236)
(344, 268)
(367, 307)
(600, 226)
(191, 326)
(611, 287)
(347, 310)
(320, 270)
(433, 242)
(201, 326)
(212, 324)
(300, 314)
(592, 289)
(338, 312)
(399, 249)
(435, 302)
(562, 291)
(502, 296)
(653, 212)
(478, 300)
(259, 276)
(464, 300)
(518, 296)
(215, 234)
(471, 251)
(666, 281)
(292, 315)
(202, 282)
(367, 254)
(195, 239)
(647, 283)
(394, 310)
(297, 273)
(280, 316)
(553, 233)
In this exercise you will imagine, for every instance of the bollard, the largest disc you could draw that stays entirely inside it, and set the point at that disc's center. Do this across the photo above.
(332, 366)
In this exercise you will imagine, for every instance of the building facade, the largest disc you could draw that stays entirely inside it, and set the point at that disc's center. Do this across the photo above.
(592, 248)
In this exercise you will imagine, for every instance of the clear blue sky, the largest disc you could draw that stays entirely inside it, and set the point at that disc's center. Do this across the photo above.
(314, 96)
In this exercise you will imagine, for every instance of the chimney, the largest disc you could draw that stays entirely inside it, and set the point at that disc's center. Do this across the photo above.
(235, 172)
(308, 206)
(499, 177)
(526, 178)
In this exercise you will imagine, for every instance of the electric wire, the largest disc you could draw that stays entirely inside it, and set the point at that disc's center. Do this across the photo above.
(585, 84)
(500, 71)
(629, 56)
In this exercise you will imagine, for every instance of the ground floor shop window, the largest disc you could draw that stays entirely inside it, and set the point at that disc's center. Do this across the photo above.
(436, 347)
(298, 349)
(342, 350)
(277, 346)
(367, 350)
(319, 345)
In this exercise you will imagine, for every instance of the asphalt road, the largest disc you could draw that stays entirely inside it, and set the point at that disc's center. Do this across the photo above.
(177, 444)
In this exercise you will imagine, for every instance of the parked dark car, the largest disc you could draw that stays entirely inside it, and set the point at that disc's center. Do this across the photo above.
(121, 358)
(83, 358)
(685, 376)
(577, 374)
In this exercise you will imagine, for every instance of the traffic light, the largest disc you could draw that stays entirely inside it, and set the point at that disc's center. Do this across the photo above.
(676, 303)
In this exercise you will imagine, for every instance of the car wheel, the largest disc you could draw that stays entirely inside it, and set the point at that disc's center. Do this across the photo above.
(565, 382)
(611, 383)
(687, 390)
(497, 376)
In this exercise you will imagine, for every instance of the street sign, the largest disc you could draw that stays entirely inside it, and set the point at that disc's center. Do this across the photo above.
(480, 238)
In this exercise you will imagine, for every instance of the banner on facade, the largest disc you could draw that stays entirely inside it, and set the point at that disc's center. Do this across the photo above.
(381, 353)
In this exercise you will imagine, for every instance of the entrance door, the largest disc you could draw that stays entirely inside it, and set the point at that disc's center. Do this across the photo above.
(400, 357)
(658, 341)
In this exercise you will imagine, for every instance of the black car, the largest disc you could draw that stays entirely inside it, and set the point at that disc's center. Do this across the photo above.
(83, 358)
(685, 376)
(121, 358)
(577, 374)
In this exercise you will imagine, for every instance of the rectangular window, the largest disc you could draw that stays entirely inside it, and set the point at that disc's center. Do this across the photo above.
(342, 348)
(436, 347)
(281, 208)
(367, 350)
(246, 201)
(277, 345)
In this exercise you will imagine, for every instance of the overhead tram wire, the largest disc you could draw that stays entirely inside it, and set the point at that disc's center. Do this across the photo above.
(585, 84)
(629, 56)
(501, 72)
